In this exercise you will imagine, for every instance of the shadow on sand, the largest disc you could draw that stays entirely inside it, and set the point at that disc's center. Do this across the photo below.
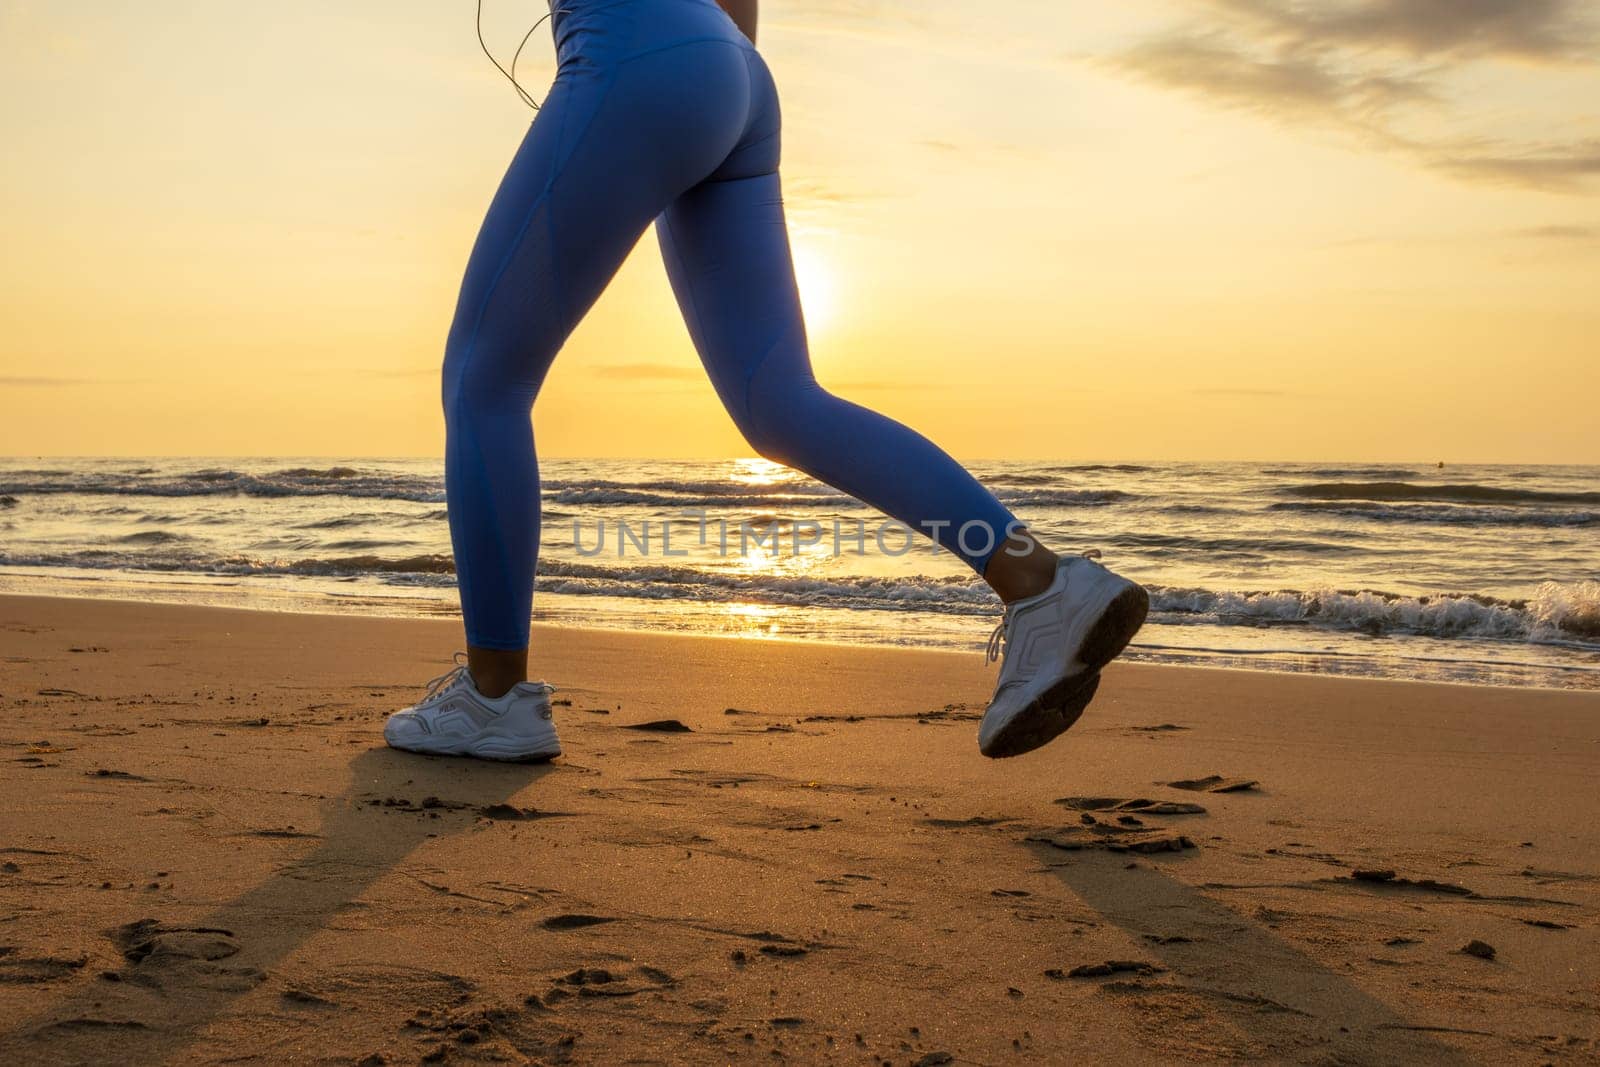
(184, 973)
(1233, 989)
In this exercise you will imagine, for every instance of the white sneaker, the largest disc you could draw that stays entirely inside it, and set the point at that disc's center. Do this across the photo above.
(454, 719)
(1055, 644)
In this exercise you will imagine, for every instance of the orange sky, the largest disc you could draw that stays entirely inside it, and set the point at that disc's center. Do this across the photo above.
(1179, 229)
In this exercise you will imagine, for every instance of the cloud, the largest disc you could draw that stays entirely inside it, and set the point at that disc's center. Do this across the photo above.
(1538, 30)
(1556, 167)
(1287, 83)
(1560, 232)
(1372, 70)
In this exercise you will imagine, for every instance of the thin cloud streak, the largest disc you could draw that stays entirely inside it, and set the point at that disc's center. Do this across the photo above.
(1561, 232)
(1537, 30)
(1372, 70)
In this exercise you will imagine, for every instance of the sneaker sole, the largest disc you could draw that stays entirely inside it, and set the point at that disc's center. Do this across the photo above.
(499, 749)
(1062, 704)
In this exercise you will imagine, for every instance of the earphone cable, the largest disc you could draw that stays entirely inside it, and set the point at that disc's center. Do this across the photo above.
(510, 75)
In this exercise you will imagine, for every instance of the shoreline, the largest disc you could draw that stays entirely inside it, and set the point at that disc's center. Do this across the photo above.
(1483, 576)
(1183, 658)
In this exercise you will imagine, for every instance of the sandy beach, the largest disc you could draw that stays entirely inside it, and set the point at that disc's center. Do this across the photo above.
(760, 851)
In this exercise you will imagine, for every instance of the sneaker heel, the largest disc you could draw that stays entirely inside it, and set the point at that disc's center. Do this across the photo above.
(1116, 627)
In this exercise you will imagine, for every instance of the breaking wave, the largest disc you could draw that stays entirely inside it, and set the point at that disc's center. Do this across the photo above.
(1558, 613)
(1448, 514)
(1463, 494)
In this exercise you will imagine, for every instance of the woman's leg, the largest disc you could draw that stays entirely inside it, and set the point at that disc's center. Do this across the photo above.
(613, 145)
(726, 247)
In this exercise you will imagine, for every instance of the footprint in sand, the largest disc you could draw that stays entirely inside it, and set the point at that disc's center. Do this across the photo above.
(1389, 878)
(783, 951)
(1140, 805)
(119, 775)
(1213, 783)
(301, 998)
(430, 804)
(603, 982)
(28, 970)
(494, 1033)
(153, 941)
(574, 921)
(511, 813)
(660, 726)
(1103, 970)
(161, 956)
(1112, 838)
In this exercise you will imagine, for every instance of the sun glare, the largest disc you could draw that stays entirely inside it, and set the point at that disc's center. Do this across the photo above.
(757, 471)
(819, 289)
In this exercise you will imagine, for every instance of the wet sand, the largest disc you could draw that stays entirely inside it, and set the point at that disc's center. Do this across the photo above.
(207, 855)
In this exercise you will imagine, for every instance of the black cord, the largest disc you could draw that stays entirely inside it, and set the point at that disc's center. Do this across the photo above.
(511, 75)
(521, 45)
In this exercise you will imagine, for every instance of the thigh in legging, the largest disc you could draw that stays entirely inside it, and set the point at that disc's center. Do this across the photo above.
(726, 247)
(612, 146)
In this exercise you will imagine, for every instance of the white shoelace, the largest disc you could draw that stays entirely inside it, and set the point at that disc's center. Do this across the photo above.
(451, 676)
(997, 639)
(448, 678)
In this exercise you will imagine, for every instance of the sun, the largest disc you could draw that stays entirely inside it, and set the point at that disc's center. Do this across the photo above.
(819, 288)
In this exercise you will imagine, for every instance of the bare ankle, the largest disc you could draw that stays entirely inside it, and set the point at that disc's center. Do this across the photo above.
(1015, 573)
(495, 671)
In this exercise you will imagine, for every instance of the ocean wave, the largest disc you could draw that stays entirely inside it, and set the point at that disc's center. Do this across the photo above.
(339, 521)
(358, 544)
(712, 488)
(616, 496)
(1195, 509)
(955, 595)
(1568, 608)
(354, 482)
(994, 478)
(1557, 613)
(1261, 547)
(1056, 498)
(1448, 514)
(610, 496)
(294, 481)
(429, 488)
(431, 564)
(232, 565)
(152, 537)
(1341, 472)
(1464, 494)
(324, 474)
(1052, 476)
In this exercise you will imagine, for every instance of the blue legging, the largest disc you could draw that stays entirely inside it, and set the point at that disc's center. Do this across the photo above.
(660, 110)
